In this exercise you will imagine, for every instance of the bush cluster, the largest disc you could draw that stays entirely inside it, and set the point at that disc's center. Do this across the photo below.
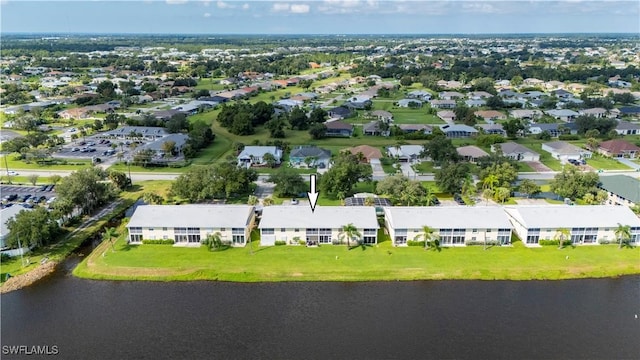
(159, 242)
(415, 243)
(554, 242)
(280, 242)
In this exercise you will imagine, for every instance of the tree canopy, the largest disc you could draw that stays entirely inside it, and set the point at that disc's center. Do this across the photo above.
(346, 172)
(574, 184)
(215, 181)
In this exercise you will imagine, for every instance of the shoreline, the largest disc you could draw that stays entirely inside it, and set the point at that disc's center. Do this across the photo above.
(29, 278)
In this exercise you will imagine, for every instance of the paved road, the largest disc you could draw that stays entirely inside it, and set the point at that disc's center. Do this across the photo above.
(172, 176)
(630, 163)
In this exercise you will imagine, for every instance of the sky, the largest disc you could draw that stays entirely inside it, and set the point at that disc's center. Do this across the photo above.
(320, 16)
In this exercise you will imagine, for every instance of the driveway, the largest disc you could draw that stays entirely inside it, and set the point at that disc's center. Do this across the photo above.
(630, 164)
(537, 166)
(407, 170)
(377, 168)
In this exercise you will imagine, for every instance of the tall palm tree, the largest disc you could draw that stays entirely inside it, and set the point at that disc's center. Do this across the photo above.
(426, 235)
(252, 200)
(623, 233)
(490, 181)
(108, 235)
(487, 194)
(349, 231)
(562, 235)
(429, 197)
(268, 201)
(213, 241)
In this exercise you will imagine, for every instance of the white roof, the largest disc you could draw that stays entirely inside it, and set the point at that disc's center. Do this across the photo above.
(568, 216)
(406, 150)
(447, 217)
(6, 214)
(203, 216)
(300, 216)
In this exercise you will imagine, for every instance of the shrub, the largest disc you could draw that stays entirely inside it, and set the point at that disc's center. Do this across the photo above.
(554, 242)
(415, 243)
(158, 242)
(302, 242)
(336, 242)
(4, 258)
(490, 242)
(280, 242)
(606, 242)
(568, 137)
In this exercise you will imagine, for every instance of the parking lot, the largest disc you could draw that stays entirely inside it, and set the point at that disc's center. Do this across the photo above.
(26, 195)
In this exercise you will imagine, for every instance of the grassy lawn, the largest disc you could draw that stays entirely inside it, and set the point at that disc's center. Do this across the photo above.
(545, 157)
(524, 167)
(24, 180)
(600, 162)
(424, 167)
(19, 164)
(338, 263)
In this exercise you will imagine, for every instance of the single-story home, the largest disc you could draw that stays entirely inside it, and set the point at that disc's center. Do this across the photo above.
(516, 151)
(443, 104)
(296, 224)
(554, 130)
(419, 94)
(588, 224)
(627, 128)
(475, 102)
(618, 148)
(564, 151)
(621, 189)
(526, 114)
(373, 128)
(340, 112)
(406, 153)
(459, 131)
(452, 225)
(254, 155)
(370, 153)
(450, 95)
(382, 115)
(630, 111)
(595, 112)
(479, 95)
(490, 115)
(492, 129)
(566, 115)
(446, 115)
(157, 146)
(471, 153)
(189, 225)
(409, 103)
(311, 155)
(411, 128)
(338, 128)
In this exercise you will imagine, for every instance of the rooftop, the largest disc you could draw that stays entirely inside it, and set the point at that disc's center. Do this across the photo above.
(450, 217)
(568, 216)
(203, 216)
(623, 186)
(323, 217)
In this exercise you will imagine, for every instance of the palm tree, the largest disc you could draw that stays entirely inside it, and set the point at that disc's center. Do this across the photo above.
(490, 181)
(108, 235)
(562, 235)
(369, 201)
(623, 233)
(430, 197)
(426, 235)
(213, 241)
(487, 194)
(268, 201)
(252, 200)
(349, 231)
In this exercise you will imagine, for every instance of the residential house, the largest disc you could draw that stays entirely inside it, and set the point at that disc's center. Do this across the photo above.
(382, 115)
(309, 155)
(564, 151)
(532, 82)
(406, 153)
(475, 103)
(411, 128)
(471, 153)
(450, 95)
(562, 94)
(254, 155)
(189, 225)
(447, 115)
(459, 131)
(370, 154)
(595, 112)
(492, 129)
(451, 225)
(443, 104)
(554, 130)
(409, 103)
(478, 95)
(627, 128)
(420, 95)
(289, 103)
(359, 102)
(165, 114)
(338, 128)
(563, 114)
(452, 84)
(516, 151)
(340, 112)
(77, 113)
(630, 111)
(618, 148)
(490, 115)
(526, 114)
(295, 224)
(621, 190)
(5, 215)
(373, 128)
(592, 224)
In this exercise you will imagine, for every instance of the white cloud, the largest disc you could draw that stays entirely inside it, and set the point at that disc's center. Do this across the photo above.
(299, 8)
(206, 15)
(206, 2)
(280, 7)
(176, 2)
(224, 5)
(245, 6)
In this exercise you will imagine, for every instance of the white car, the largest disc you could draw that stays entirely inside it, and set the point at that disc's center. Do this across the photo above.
(11, 173)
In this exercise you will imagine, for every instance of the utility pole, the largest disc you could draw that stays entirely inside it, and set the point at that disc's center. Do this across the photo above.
(6, 165)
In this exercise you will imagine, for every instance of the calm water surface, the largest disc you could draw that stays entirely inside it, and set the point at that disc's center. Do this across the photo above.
(581, 319)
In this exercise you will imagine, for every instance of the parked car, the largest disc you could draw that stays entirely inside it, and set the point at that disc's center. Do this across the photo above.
(75, 149)
(26, 197)
(294, 201)
(42, 199)
(11, 173)
(13, 197)
(459, 199)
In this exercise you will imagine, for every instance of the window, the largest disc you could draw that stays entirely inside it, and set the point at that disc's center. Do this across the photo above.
(370, 231)
(635, 235)
(474, 230)
(315, 236)
(238, 231)
(135, 230)
(180, 238)
(164, 229)
(283, 229)
(533, 235)
(223, 229)
(584, 235)
(165, 237)
(150, 229)
(268, 232)
(135, 238)
(296, 230)
(452, 236)
(504, 236)
(180, 231)
(237, 239)
(488, 230)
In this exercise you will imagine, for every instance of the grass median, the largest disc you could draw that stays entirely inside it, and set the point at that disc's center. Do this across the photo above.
(338, 263)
